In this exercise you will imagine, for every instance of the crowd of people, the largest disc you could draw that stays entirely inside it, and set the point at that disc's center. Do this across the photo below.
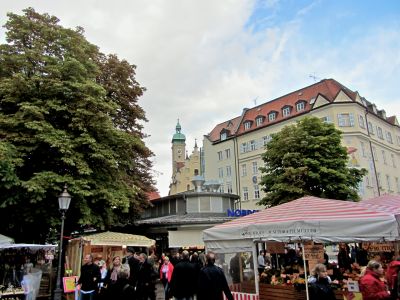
(134, 277)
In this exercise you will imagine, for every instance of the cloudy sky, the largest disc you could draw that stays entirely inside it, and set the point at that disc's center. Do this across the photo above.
(203, 61)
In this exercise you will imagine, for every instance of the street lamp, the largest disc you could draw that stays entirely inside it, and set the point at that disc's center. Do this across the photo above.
(63, 203)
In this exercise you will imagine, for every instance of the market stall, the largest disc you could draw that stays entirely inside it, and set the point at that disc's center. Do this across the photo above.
(25, 270)
(308, 219)
(105, 245)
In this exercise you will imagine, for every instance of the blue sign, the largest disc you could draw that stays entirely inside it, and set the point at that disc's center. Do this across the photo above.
(240, 212)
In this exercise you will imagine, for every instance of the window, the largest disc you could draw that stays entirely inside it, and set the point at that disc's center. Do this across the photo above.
(384, 157)
(396, 179)
(380, 133)
(228, 153)
(220, 172)
(379, 179)
(244, 170)
(374, 154)
(229, 187)
(286, 111)
(220, 157)
(256, 192)
(255, 168)
(196, 172)
(223, 136)
(271, 116)
(247, 125)
(364, 154)
(389, 186)
(221, 188)
(370, 128)
(266, 139)
(244, 148)
(228, 171)
(252, 145)
(259, 120)
(367, 181)
(346, 120)
(326, 119)
(393, 160)
(389, 137)
(300, 106)
(245, 194)
(361, 121)
(361, 188)
(398, 140)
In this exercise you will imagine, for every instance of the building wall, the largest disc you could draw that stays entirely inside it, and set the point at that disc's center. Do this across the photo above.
(362, 145)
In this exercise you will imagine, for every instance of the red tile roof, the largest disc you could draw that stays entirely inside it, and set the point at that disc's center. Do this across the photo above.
(392, 120)
(153, 195)
(329, 88)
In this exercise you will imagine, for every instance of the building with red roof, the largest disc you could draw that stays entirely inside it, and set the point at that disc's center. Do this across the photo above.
(233, 148)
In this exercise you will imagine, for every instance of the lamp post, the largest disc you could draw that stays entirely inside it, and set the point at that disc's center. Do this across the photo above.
(63, 203)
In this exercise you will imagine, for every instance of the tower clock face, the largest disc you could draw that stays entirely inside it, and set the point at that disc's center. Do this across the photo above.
(179, 151)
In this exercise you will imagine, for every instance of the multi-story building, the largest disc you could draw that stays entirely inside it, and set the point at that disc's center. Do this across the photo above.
(232, 150)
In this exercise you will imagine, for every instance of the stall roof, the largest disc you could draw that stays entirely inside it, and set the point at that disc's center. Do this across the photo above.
(109, 238)
(5, 239)
(307, 218)
(388, 203)
(29, 246)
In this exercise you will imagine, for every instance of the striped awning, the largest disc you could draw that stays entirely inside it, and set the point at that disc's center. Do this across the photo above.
(387, 203)
(307, 218)
(109, 238)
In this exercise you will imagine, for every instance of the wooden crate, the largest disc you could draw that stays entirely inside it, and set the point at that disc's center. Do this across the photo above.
(279, 292)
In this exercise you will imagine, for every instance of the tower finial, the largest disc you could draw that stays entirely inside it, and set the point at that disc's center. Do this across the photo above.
(195, 143)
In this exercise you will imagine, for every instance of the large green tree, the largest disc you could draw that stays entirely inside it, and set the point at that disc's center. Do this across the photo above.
(308, 159)
(68, 114)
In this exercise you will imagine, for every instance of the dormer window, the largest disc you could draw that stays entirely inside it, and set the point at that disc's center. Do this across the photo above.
(223, 135)
(300, 105)
(272, 116)
(286, 111)
(259, 120)
(247, 125)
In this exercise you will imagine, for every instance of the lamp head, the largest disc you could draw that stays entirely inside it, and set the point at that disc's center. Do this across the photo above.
(64, 199)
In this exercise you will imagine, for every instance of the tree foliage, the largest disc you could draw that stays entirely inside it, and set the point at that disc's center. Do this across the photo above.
(308, 159)
(68, 114)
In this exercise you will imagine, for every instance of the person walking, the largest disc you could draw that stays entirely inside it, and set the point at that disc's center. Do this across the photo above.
(183, 285)
(145, 287)
(89, 279)
(212, 281)
(113, 279)
(371, 287)
(165, 275)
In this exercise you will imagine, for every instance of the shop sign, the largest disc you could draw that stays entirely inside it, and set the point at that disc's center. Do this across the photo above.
(314, 252)
(240, 212)
(280, 231)
(381, 247)
(275, 247)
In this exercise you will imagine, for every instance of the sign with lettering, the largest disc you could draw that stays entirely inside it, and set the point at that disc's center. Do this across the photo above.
(294, 231)
(275, 247)
(381, 247)
(314, 252)
(240, 212)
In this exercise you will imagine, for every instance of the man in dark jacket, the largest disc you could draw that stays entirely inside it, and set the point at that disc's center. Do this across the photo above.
(145, 281)
(184, 278)
(212, 282)
(89, 279)
(133, 261)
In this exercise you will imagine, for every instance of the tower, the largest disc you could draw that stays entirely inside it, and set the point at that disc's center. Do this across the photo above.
(178, 149)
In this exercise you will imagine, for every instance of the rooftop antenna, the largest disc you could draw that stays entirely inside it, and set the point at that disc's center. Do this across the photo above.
(255, 101)
(314, 77)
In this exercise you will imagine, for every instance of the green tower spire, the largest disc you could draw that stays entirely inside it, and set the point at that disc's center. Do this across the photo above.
(178, 136)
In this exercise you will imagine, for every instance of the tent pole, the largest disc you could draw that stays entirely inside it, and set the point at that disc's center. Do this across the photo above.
(255, 263)
(305, 270)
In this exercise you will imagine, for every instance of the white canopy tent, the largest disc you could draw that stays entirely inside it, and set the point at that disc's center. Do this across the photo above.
(304, 219)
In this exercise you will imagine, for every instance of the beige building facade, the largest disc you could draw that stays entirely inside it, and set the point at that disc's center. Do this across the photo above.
(232, 150)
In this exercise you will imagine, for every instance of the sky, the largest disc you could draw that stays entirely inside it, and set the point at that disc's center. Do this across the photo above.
(203, 61)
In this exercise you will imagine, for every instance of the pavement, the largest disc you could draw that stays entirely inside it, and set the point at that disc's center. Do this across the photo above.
(159, 291)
